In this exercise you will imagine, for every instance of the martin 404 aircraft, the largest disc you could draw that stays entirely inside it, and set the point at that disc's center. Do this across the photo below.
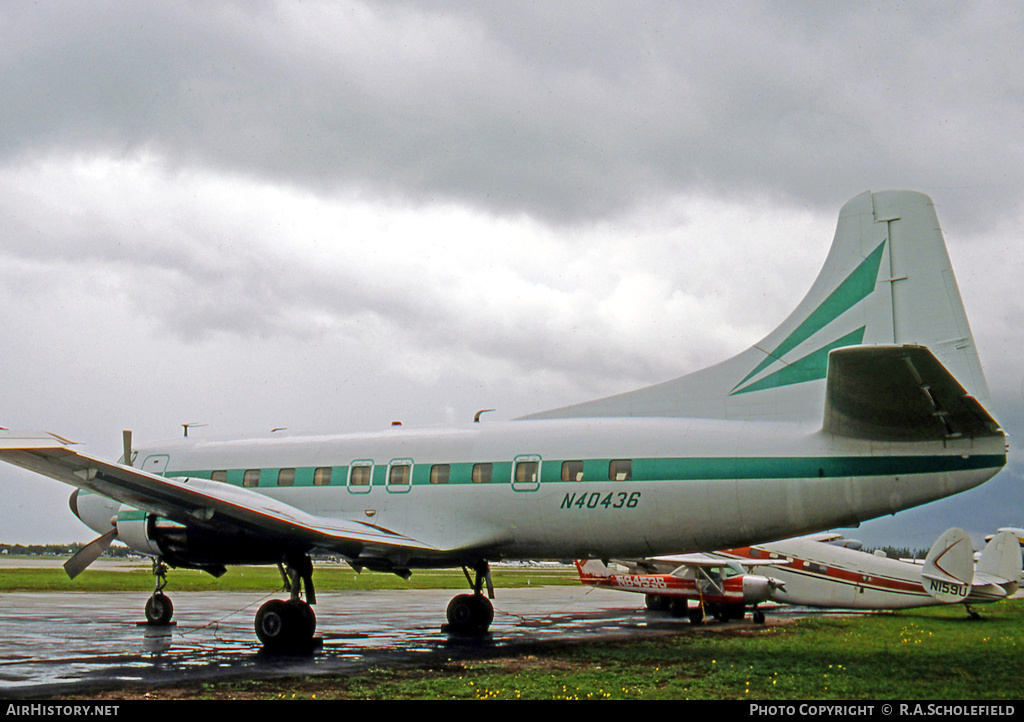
(869, 398)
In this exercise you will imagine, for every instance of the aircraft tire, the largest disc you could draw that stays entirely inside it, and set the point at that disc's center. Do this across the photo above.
(159, 609)
(285, 626)
(470, 614)
(656, 602)
(696, 614)
(758, 616)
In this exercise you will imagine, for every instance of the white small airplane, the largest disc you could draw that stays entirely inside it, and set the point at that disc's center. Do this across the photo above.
(694, 584)
(869, 398)
(820, 571)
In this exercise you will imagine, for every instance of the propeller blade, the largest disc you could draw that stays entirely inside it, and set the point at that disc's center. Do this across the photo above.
(89, 553)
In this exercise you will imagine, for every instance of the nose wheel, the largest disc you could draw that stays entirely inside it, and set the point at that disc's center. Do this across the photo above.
(159, 609)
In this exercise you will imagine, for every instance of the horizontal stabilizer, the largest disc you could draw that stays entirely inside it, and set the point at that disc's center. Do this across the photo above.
(949, 567)
(899, 393)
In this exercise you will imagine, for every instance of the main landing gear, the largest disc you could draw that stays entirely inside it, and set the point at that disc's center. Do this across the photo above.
(288, 626)
(472, 613)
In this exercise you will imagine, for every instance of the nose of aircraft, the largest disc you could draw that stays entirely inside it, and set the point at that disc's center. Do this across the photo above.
(757, 588)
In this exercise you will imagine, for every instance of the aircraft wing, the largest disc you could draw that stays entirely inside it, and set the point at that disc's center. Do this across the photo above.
(192, 501)
(710, 561)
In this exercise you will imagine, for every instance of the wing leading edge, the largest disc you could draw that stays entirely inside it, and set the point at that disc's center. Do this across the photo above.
(201, 501)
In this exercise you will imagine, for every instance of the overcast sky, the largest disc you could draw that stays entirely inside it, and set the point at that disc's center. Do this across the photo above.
(328, 216)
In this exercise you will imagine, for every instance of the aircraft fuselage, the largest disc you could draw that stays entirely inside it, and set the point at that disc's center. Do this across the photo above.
(589, 487)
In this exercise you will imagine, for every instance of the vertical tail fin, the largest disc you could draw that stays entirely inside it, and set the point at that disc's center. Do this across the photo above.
(592, 569)
(949, 568)
(1000, 561)
(887, 280)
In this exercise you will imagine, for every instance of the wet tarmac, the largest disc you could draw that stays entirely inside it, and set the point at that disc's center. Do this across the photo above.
(61, 643)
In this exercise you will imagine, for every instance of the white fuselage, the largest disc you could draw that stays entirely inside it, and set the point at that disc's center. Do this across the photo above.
(817, 574)
(631, 487)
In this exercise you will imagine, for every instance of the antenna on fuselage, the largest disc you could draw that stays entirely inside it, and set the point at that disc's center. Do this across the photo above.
(186, 427)
(476, 416)
(126, 441)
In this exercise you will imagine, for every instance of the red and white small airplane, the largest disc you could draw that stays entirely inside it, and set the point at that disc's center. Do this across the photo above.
(697, 585)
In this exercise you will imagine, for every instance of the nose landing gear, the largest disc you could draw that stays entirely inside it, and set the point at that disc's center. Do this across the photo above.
(159, 609)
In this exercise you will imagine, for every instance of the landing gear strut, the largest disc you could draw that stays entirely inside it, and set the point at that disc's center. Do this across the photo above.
(288, 626)
(473, 613)
(159, 609)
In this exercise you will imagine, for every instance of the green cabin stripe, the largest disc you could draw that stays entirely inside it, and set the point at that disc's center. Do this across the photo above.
(657, 469)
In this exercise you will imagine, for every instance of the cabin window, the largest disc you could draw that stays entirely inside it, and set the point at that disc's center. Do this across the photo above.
(572, 471)
(526, 472)
(219, 476)
(359, 475)
(620, 469)
(482, 473)
(322, 476)
(286, 477)
(251, 477)
(440, 473)
(399, 474)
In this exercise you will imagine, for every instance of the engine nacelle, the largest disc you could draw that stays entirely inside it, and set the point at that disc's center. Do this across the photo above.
(96, 511)
(136, 529)
(195, 545)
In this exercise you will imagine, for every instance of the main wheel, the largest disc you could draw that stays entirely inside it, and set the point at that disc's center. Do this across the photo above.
(697, 614)
(656, 602)
(159, 609)
(285, 626)
(470, 614)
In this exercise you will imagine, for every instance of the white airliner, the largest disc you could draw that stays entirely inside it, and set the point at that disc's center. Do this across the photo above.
(869, 398)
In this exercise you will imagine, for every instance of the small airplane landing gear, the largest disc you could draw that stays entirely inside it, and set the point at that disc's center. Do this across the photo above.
(289, 626)
(472, 613)
(159, 609)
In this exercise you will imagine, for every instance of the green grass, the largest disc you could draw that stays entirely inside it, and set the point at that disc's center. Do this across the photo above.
(328, 577)
(932, 654)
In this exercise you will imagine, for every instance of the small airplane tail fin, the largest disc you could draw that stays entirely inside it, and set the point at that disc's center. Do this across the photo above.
(592, 569)
(949, 567)
(887, 280)
(1001, 562)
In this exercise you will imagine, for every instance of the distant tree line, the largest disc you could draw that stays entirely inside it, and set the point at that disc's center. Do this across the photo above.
(58, 550)
(901, 552)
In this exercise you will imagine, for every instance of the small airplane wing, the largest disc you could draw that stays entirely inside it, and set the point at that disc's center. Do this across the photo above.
(710, 561)
(192, 501)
